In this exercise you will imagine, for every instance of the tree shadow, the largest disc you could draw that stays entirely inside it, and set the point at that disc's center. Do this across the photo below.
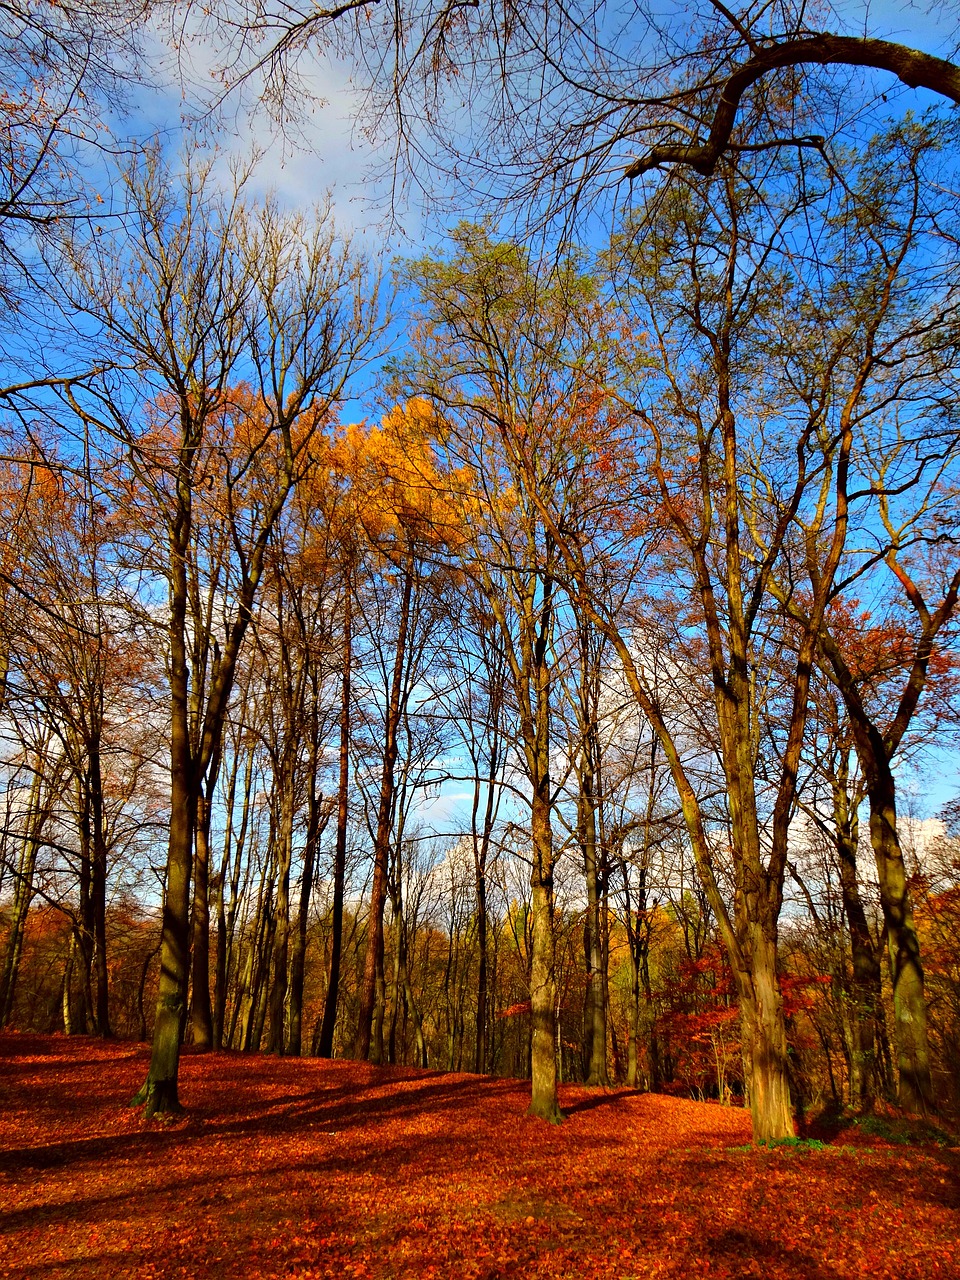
(602, 1098)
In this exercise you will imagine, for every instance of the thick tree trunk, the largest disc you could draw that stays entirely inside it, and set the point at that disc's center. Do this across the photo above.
(159, 1091)
(764, 1039)
(909, 1002)
(201, 1012)
(875, 754)
(543, 993)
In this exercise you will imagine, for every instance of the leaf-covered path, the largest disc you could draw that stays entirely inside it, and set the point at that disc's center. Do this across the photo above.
(318, 1169)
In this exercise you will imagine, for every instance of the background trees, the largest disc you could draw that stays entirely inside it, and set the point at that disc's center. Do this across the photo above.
(473, 737)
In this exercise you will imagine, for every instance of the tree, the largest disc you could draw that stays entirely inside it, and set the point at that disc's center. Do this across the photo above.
(741, 458)
(207, 292)
(570, 100)
(397, 503)
(902, 483)
(508, 359)
(62, 68)
(837, 818)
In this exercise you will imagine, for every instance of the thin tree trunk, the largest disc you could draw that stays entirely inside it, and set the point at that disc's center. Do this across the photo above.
(327, 1026)
(595, 1023)
(373, 960)
(22, 898)
(865, 993)
(317, 818)
(281, 915)
(98, 889)
(227, 916)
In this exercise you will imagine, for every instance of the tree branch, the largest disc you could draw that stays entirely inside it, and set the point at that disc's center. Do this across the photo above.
(915, 69)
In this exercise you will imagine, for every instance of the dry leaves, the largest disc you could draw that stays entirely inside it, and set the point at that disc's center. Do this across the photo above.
(317, 1169)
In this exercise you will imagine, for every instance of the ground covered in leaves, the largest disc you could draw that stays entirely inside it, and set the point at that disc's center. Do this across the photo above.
(338, 1169)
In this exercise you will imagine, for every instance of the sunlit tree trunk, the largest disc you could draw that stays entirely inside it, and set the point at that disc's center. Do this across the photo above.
(279, 976)
(916, 1092)
(23, 890)
(318, 814)
(159, 1091)
(865, 989)
(201, 1010)
(234, 843)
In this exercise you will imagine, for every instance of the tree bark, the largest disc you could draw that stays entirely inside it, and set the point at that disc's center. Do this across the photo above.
(281, 916)
(764, 1039)
(201, 1012)
(159, 1093)
(373, 960)
(865, 990)
(22, 897)
(328, 1025)
(543, 991)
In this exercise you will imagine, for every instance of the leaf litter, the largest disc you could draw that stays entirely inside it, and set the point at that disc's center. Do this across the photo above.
(329, 1170)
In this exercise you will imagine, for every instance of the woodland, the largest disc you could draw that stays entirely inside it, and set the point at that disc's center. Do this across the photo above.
(508, 657)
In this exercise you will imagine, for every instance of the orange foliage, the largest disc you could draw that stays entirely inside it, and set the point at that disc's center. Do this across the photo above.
(394, 472)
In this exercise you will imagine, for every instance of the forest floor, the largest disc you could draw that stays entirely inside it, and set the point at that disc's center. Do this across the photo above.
(303, 1168)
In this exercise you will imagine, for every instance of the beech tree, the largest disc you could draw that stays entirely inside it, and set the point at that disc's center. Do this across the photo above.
(904, 469)
(509, 363)
(738, 459)
(204, 294)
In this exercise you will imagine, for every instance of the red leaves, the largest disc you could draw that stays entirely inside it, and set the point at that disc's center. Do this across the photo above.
(514, 1010)
(330, 1170)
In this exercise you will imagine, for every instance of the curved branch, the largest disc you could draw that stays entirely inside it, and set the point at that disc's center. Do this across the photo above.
(915, 69)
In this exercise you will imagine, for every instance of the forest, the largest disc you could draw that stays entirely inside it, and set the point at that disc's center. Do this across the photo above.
(509, 655)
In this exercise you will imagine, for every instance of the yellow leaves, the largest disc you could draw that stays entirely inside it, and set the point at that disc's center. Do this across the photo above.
(395, 477)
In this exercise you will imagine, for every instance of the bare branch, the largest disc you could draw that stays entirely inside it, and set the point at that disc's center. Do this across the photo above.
(915, 69)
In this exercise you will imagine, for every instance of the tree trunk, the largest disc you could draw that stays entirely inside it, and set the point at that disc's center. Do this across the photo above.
(595, 1021)
(84, 931)
(227, 916)
(909, 1002)
(481, 849)
(281, 915)
(543, 993)
(373, 960)
(325, 1038)
(764, 1039)
(317, 818)
(22, 898)
(159, 1090)
(865, 992)
(201, 1013)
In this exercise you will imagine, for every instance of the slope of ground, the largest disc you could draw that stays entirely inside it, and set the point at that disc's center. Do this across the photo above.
(316, 1169)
